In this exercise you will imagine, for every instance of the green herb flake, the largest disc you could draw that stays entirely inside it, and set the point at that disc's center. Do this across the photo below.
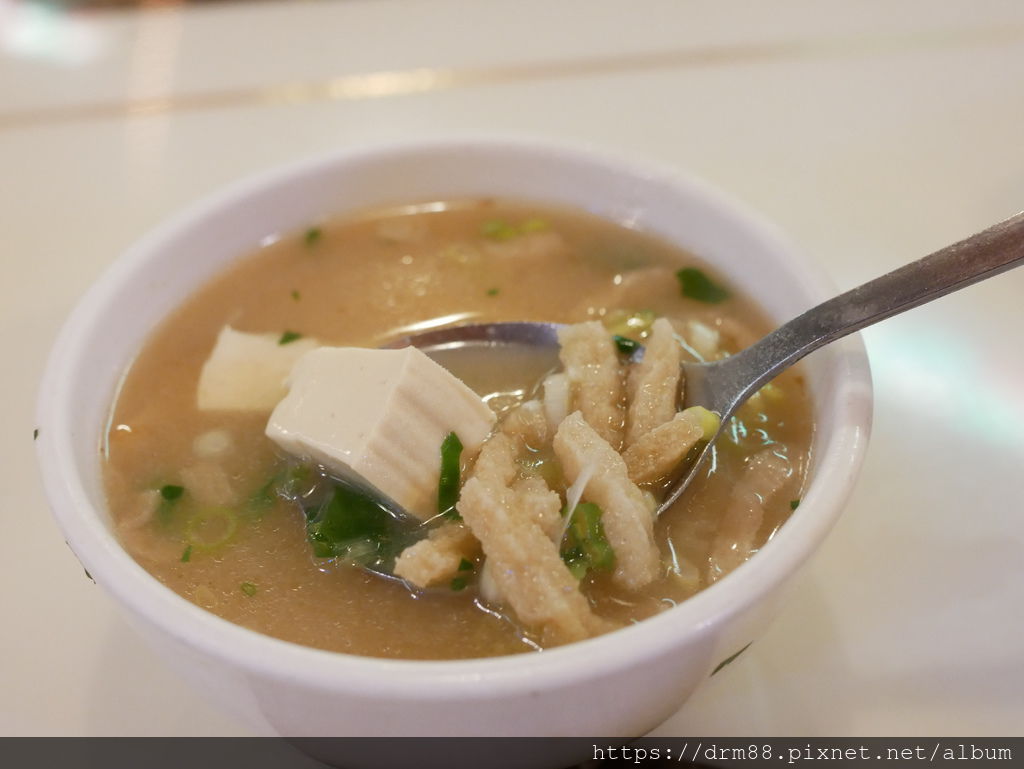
(458, 583)
(585, 547)
(626, 345)
(492, 292)
(696, 285)
(171, 492)
(248, 588)
(794, 504)
(626, 323)
(288, 337)
(729, 659)
(296, 295)
(465, 565)
(168, 503)
(35, 434)
(312, 236)
(448, 484)
(186, 556)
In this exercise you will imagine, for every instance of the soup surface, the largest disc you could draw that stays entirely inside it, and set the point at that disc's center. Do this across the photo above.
(188, 488)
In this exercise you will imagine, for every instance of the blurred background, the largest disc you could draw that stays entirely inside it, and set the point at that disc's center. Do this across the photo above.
(871, 133)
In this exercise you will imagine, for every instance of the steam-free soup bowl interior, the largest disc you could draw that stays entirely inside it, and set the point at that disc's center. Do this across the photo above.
(619, 685)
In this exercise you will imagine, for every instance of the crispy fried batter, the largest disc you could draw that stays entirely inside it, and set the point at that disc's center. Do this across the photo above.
(658, 452)
(539, 504)
(496, 462)
(525, 566)
(527, 423)
(653, 384)
(595, 376)
(436, 559)
(763, 477)
(627, 517)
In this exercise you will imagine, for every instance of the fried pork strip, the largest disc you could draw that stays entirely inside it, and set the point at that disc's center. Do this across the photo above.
(436, 559)
(591, 363)
(527, 423)
(733, 543)
(661, 450)
(653, 383)
(522, 561)
(540, 505)
(626, 515)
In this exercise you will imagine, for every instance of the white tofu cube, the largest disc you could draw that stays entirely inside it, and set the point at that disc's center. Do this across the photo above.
(248, 372)
(381, 414)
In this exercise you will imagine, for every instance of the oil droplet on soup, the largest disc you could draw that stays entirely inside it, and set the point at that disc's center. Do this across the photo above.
(192, 492)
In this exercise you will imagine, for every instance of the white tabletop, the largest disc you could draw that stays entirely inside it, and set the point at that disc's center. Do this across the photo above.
(871, 132)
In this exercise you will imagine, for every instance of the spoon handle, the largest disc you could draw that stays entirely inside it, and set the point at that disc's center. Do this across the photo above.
(987, 253)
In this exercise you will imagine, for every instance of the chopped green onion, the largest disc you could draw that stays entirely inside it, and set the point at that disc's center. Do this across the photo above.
(356, 527)
(708, 421)
(248, 588)
(448, 484)
(211, 527)
(289, 336)
(465, 565)
(794, 504)
(313, 234)
(626, 345)
(186, 556)
(458, 583)
(696, 285)
(585, 546)
(498, 229)
(169, 496)
(626, 323)
(492, 292)
(171, 493)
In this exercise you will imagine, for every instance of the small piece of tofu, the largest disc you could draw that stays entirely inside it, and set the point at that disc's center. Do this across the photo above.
(382, 415)
(248, 372)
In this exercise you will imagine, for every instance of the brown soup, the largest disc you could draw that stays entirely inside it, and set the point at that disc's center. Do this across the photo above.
(183, 484)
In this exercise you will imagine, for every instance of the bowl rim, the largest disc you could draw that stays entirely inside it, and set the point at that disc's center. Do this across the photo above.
(836, 465)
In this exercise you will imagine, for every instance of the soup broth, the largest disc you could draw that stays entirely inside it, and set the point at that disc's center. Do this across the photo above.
(187, 487)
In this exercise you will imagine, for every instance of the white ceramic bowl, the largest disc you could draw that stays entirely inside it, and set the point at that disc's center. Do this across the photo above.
(619, 685)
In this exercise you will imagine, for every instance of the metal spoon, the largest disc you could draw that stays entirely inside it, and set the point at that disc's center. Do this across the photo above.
(724, 385)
